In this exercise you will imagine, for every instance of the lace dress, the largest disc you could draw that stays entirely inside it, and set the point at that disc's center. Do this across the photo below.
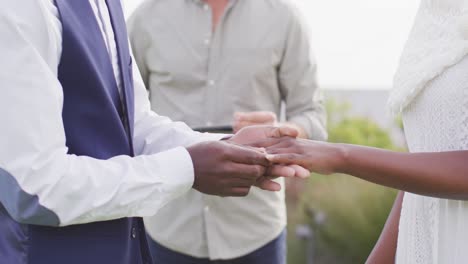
(436, 230)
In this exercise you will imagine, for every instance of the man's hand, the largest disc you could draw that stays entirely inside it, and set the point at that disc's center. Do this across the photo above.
(226, 169)
(245, 119)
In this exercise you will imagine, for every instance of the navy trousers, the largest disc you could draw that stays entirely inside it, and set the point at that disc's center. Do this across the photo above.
(272, 253)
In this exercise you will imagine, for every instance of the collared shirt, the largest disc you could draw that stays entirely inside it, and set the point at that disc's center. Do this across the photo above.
(33, 152)
(258, 56)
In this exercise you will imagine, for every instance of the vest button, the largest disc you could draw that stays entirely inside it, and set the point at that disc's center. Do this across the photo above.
(134, 232)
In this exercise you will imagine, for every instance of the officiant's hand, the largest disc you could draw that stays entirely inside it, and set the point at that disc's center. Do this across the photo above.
(252, 134)
(246, 119)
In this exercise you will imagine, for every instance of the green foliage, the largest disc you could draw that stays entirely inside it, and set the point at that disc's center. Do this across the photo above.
(355, 214)
(355, 210)
(343, 128)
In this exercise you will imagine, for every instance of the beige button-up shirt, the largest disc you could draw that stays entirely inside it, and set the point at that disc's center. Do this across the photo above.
(258, 57)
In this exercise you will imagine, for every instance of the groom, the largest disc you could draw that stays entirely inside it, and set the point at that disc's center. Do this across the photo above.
(82, 156)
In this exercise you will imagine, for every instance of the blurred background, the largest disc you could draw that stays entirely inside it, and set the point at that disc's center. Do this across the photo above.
(337, 219)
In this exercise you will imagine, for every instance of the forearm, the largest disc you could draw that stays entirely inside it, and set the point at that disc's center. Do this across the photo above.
(443, 175)
(385, 250)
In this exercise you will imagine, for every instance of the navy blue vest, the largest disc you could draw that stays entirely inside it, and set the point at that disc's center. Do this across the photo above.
(97, 124)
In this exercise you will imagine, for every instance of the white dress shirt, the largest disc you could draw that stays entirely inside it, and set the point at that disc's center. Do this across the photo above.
(78, 189)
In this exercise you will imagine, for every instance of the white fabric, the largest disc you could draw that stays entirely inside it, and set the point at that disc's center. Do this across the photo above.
(32, 145)
(432, 230)
(439, 39)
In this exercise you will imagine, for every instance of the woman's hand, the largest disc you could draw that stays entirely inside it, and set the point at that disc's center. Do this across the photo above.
(320, 157)
(438, 174)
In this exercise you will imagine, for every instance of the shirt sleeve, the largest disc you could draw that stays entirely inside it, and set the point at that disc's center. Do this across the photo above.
(39, 182)
(298, 79)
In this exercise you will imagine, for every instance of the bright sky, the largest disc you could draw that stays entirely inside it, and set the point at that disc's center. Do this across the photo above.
(357, 42)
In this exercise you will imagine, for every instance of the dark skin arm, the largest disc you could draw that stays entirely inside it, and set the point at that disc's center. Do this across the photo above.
(441, 175)
(385, 250)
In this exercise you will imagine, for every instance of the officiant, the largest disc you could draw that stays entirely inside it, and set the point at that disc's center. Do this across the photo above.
(220, 63)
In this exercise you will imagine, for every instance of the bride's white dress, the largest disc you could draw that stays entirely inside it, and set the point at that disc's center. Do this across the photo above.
(436, 230)
(431, 91)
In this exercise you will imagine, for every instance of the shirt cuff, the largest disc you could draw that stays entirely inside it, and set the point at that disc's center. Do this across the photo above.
(176, 172)
(182, 175)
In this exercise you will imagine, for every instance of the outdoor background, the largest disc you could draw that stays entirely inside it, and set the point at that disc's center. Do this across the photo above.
(337, 219)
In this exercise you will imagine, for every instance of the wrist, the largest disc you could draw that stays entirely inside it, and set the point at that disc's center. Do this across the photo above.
(342, 154)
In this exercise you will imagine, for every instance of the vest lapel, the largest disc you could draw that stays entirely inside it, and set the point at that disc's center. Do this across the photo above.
(90, 31)
(93, 37)
(125, 61)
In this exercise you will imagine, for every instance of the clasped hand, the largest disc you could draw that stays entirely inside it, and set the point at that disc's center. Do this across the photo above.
(233, 166)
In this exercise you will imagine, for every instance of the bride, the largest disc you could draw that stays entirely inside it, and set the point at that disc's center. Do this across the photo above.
(429, 220)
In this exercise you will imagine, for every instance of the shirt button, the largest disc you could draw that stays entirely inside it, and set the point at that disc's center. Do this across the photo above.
(134, 232)
(211, 82)
(206, 7)
(207, 209)
(209, 123)
(207, 41)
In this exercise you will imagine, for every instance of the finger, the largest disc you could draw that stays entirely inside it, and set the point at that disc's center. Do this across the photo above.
(245, 174)
(281, 171)
(268, 185)
(244, 155)
(278, 149)
(238, 191)
(250, 146)
(283, 145)
(255, 117)
(300, 171)
(266, 143)
(289, 158)
(283, 131)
